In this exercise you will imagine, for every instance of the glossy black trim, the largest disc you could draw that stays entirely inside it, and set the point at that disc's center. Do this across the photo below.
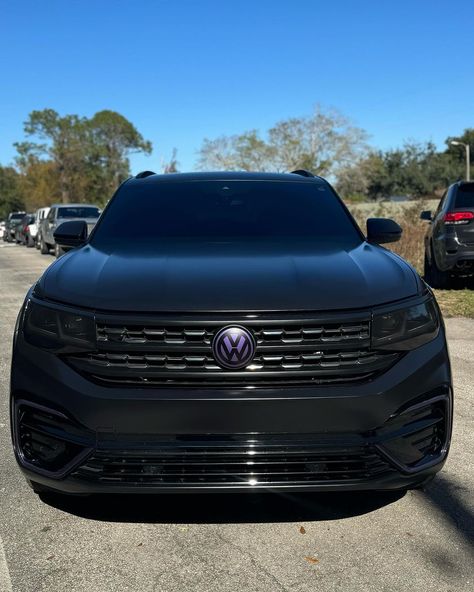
(68, 467)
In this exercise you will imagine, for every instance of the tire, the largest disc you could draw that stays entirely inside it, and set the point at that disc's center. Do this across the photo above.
(38, 242)
(434, 276)
(58, 251)
(44, 247)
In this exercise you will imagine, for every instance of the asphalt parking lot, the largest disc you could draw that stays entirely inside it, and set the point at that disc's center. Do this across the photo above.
(422, 540)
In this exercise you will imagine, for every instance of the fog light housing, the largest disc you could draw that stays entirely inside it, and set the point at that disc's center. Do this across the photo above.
(47, 442)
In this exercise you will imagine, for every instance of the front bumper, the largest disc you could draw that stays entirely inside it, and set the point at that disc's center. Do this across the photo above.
(387, 433)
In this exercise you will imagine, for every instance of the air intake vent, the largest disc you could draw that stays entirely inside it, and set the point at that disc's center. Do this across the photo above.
(240, 463)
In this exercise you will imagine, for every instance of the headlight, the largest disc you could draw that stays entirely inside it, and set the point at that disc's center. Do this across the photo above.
(405, 328)
(57, 329)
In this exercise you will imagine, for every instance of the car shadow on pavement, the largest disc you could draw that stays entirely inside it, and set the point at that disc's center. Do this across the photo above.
(222, 508)
(446, 496)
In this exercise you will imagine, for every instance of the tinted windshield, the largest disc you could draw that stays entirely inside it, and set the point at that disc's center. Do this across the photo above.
(79, 212)
(465, 196)
(225, 211)
(16, 216)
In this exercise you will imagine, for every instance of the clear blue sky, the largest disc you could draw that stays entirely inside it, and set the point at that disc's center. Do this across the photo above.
(184, 70)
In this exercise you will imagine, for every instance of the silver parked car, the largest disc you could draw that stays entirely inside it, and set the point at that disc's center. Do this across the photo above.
(60, 213)
(40, 215)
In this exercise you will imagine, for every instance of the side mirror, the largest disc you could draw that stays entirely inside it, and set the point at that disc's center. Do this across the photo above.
(71, 234)
(426, 215)
(383, 230)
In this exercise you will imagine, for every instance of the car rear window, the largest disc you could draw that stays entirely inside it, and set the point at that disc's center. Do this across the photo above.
(225, 211)
(80, 212)
(465, 196)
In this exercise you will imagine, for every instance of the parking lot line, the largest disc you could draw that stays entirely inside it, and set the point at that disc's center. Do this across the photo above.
(5, 580)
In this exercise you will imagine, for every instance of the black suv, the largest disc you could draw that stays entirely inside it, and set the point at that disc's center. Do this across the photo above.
(249, 337)
(449, 241)
(14, 218)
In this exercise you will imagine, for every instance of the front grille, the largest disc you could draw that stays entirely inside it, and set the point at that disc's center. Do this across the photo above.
(297, 350)
(232, 463)
(271, 335)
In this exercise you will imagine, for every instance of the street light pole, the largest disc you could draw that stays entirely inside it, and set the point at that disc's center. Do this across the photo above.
(468, 157)
(468, 162)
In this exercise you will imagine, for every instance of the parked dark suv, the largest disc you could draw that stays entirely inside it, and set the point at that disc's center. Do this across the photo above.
(449, 240)
(14, 218)
(249, 337)
(22, 229)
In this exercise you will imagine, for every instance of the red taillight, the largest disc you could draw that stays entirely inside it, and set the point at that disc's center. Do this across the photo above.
(458, 217)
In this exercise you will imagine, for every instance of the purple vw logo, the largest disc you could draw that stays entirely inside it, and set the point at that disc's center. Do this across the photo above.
(233, 347)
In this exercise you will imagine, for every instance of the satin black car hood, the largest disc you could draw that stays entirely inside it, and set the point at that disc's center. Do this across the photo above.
(225, 277)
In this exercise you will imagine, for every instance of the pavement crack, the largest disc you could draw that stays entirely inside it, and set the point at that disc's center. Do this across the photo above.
(253, 561)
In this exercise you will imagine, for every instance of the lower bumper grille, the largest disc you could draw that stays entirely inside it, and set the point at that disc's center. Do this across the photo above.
(233, 464)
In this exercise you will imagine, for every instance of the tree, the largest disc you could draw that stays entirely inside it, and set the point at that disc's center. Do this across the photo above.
(244, 152)
(321, 143)
(456, 155)
(416, 169)
(63, 140)
(89, 157)
(38, 184)
(366, 177)
(10, 193)
(172, 165)
(112, 138)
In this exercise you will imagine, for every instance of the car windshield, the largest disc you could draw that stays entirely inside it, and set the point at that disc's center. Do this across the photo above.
(16, 216)
(78, 212)
(225, 211)
(465, 196)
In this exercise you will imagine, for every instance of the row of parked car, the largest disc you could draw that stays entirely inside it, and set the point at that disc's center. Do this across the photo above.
(37, 230)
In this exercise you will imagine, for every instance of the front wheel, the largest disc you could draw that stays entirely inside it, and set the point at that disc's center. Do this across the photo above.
(58, 251)
(44, 247)
(433, 275)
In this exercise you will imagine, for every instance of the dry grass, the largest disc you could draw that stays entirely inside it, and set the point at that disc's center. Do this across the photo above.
(458, 301)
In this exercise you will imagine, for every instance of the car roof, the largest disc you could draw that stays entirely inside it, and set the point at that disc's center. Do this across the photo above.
(459, 183)
(225, 176)
(73, 205)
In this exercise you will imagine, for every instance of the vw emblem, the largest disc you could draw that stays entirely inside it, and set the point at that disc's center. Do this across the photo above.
(233, 347)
